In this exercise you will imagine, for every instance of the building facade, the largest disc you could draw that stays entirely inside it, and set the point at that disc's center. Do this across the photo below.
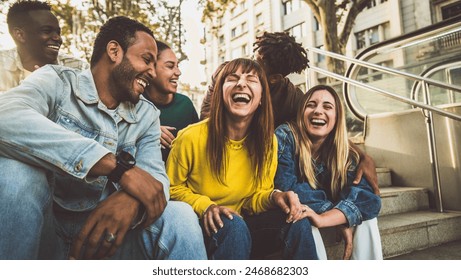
(232, 34)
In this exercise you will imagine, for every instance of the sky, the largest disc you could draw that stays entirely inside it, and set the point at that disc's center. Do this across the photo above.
(193, 72)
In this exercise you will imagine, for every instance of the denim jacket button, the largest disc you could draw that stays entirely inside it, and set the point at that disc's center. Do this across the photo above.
(79, 166)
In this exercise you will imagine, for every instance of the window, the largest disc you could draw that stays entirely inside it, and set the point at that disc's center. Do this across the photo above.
(259, 19)
(360, 37)
(451, 10)
(287, 8)
(291, 6)
(317, 26)
(374, 3)
(320, 57)
(233, 32)
(244, 27)
(373, 34)
(221, 39)
(371, 4)
(297, 31)
(244, 50)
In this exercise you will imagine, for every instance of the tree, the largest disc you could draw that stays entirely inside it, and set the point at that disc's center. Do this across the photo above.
(336, 17)
(80, 21)
(86, 19)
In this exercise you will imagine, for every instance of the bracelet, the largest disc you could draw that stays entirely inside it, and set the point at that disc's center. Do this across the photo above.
(270, 196)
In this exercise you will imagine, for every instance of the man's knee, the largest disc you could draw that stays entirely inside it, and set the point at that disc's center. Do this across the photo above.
(23, 183)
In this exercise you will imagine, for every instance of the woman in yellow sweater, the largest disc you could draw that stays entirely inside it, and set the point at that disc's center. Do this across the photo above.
(224, 168)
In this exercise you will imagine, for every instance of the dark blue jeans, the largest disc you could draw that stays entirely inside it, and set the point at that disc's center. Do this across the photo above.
(270, 234)
(258, 236)
(231, 242)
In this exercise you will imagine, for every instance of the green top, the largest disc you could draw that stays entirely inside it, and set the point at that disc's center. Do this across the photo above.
(179, 114)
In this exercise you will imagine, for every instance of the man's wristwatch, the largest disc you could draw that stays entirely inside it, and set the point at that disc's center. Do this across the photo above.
(125, 161)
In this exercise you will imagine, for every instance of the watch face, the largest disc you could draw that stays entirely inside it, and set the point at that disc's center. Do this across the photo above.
(127, 158)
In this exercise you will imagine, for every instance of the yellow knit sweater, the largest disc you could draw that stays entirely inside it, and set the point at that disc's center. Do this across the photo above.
(192, 181)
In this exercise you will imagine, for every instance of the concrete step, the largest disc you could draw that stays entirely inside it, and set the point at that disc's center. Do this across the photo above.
(445, 251)
(384, 177)
(403, 199)
(406, 232)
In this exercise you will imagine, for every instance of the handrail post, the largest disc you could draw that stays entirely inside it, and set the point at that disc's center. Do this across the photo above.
(433, 150)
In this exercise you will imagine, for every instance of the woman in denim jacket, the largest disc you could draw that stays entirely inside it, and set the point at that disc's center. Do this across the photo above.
(317, 162)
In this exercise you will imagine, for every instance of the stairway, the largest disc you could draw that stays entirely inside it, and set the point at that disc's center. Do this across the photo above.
(406, 222)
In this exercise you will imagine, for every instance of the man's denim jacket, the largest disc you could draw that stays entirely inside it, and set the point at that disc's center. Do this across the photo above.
(357, 202)
(54, 119)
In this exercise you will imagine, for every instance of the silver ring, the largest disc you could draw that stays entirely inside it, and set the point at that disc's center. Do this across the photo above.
(110, 237)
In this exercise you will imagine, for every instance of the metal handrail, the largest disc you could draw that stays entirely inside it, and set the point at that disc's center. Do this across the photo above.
(426, 107)
(384, 92)
(386, 69)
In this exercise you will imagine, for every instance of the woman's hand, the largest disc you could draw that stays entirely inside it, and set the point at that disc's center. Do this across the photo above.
(315, 218)
(212, 218)
(289, 203)
(166, 137)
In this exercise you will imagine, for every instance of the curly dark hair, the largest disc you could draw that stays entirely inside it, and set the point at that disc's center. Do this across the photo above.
(18, 13)
(121, 29)
(281, 53)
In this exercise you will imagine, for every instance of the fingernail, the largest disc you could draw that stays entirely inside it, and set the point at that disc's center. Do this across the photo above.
(221, 225)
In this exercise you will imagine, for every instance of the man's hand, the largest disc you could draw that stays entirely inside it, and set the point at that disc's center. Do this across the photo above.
(138, 183)
(146, 189)
(167, 137)
(367, 168)
(212, 218)
(290, 205)
(113, 215)
(347, 236)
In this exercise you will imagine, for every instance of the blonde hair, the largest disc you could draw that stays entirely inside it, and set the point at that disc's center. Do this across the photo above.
(261, 132)
(335, 151)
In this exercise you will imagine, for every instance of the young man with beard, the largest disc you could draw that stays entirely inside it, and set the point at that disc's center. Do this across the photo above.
(37, 35)
(81, 174)
(176, 110)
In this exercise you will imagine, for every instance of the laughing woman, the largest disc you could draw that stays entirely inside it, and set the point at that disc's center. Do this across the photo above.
(317, 163)
(224, 168)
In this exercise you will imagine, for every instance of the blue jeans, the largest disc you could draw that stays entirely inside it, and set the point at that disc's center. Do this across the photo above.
(270, 234)
(30, 228)
(258, 236)
(231, 242)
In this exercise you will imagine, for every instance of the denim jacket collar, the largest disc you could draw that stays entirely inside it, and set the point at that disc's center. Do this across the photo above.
(89, 95)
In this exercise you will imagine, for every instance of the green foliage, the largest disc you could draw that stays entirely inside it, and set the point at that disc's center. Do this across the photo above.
(80, 21)
(213, 9)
